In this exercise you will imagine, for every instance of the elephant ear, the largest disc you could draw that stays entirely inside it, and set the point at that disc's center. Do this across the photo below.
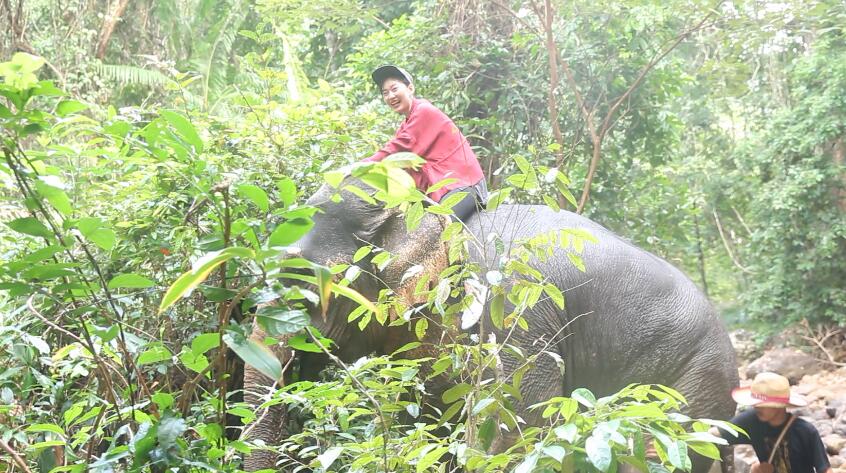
(415, 255)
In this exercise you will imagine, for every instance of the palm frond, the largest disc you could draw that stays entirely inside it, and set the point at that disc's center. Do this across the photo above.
(133, 75)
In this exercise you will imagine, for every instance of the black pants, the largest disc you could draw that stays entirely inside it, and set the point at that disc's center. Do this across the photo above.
(474, 201)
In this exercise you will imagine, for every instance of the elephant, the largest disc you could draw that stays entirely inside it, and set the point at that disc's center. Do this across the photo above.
(630, 316)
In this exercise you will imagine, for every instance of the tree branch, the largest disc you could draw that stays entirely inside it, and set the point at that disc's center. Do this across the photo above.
(607, 121)
(109, 23)
(15, 457)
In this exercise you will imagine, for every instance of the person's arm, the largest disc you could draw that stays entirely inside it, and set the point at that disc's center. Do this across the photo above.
(416, 135)
(402, 141)
(817, 454)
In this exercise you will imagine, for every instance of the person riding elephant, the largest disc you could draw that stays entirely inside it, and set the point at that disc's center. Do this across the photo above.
(429, 133)
(630, 316)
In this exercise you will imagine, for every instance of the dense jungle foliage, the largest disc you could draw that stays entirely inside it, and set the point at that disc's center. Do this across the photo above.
(157, 155)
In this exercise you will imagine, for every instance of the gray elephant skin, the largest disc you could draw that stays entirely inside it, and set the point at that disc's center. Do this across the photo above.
(633, 317)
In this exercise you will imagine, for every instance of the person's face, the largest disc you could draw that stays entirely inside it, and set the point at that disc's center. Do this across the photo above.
(397, 95)
(771, 415)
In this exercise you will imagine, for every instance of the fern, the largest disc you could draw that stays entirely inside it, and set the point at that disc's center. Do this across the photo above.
(132, 75)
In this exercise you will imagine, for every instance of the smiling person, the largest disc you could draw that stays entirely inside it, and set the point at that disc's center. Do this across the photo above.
(783, 442)
(429, 133)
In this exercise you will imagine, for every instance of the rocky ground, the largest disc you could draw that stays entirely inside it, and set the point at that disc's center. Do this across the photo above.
(816, 373)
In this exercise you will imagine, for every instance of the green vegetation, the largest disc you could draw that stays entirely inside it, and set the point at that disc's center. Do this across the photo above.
(155, 167)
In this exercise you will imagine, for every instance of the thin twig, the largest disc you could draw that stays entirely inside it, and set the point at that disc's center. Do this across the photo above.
(361, 388)
(15, 456)
(726, 245)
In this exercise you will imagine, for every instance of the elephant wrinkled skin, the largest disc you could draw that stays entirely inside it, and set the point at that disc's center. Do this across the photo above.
(633, 317)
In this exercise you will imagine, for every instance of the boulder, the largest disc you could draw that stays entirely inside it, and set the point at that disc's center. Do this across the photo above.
(744, 458)
(824, 428)
(836, 407)
(744, 345)
(837, 462)
(834, 443)
(788, 362)
(839, 425)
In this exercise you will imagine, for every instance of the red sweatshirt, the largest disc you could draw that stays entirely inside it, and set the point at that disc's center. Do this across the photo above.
(430, 134)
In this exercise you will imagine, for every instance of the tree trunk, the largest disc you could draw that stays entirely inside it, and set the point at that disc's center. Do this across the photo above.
(839, 158)
(701, 255)
(112, 17)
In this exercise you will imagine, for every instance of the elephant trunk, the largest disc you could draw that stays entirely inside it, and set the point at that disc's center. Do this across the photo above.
(269, 426)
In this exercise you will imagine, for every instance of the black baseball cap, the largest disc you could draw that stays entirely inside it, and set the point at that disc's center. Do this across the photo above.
(389, 71)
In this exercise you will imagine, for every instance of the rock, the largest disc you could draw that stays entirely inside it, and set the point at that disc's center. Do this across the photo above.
(744, 345)
(788, 362)
(836, 462)
(836, 407)
(824, 428)
(842, 454)
(839, 425)
(744, 458)
(834, 443)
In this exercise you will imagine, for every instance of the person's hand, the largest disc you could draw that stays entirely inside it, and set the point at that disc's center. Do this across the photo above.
(762, 467)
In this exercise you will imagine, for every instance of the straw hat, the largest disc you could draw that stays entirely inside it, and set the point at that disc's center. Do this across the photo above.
(768, 390)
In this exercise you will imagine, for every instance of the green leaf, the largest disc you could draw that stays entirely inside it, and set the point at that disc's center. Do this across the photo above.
(567, 432)
(163, 400)
(677, 454)
(568, 408)
(430, 458)
(130, 280)
(487, 432)
(497, 310)
(184, 128)
(420, 328)
(154, 354)
(255, 194)
(290, 231)
(287, 191)
(456, 392)
(706, 449)
(598, 451)
(30, 226)
(67, 107)
(170, 429)
(205, 342)
(555, 294)
(482, 404)
(347, 292)
(327, 458)
(95, 231)
(46, 428)
(277, 320)
(497, 197)
(440, 184)
(584, 397)
(414, 215)
(255, 354)
(556, 452)
(194, 362)
(201, 270)
(361, 253)
(528, 464)
(56, 196)
(303, 342)
(334, 178)
(577, 261)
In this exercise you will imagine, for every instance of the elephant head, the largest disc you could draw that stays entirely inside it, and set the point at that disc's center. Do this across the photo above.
(340, 229)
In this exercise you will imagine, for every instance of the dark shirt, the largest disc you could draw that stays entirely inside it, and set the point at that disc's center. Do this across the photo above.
(802, 448)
